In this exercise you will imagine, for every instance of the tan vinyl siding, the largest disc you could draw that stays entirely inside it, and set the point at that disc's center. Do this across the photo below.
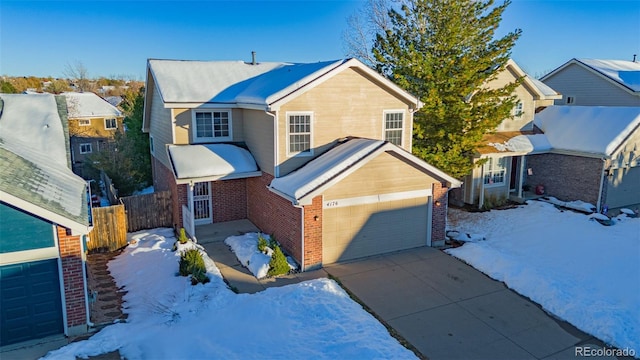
(525, 96)
(184, 125)
(496, 191)
(383, 175)
(96, 128)
(348, 104)
(160, 128)
(628, 154)
(258, 135)
(589, 88)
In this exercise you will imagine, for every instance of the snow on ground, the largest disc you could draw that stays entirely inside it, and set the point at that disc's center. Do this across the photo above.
(246, 249)
(581, 271)
(170, 319)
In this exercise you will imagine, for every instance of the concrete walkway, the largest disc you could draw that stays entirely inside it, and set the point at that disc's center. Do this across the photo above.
(448, 310)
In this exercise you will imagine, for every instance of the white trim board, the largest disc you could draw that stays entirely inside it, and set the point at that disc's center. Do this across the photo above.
(372, 199)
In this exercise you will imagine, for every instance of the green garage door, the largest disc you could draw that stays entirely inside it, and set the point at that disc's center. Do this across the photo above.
(30, 302)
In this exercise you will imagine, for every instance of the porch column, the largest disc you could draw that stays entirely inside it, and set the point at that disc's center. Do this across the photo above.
(521, 178)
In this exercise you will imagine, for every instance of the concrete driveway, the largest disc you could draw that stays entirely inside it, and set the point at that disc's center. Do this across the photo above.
(448, 310)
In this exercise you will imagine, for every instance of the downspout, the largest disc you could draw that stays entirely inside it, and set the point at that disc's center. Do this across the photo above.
(600, 190)
(276, 150)
(303, 265)
(84, 279)
(521, 177)
(481, 195)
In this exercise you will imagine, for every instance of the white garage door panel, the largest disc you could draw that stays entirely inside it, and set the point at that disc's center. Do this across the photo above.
(363, 230)
(623, 188)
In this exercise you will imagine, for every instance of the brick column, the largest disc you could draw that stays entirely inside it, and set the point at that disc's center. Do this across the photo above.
(73, 279)
(439, 212)
(313, 234)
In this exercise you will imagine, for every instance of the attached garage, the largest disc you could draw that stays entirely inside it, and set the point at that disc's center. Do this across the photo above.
(30, 301)
(622, 188)
(356, 231)
(365, 197)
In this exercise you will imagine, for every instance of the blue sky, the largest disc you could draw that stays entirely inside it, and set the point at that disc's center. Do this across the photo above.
(114, 38)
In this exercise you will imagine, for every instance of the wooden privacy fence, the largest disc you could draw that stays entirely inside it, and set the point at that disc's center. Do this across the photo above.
(109, 229)
(148, 211)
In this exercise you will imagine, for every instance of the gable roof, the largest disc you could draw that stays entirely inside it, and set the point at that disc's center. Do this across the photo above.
(594, 131)
(88, 104)
(262, 85)
(334, 165)
(539, 90)
(625, 74)
(34, 174)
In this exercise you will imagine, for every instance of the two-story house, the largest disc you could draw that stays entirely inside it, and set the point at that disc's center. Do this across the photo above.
(502, 175)
(316, 154)
(93, 123)
(44, 221)
(595, 82)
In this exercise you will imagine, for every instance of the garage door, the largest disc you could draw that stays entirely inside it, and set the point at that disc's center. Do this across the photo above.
(622, 188)
(31, 306)
(350, 232)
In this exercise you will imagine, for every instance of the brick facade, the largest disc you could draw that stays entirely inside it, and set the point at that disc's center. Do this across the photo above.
(73, 278)
(275, 215)
(440, 204)
(229, 200)
(566, 177)
(313, 234)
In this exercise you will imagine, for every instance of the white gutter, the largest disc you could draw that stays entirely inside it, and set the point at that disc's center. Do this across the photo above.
(276, 153)
(219, 177)
(84, 280)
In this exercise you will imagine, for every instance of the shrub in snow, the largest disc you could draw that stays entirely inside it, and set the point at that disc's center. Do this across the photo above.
(272, 242)
(278, 264)
(182, 237)
(192, 263)
(262, 243)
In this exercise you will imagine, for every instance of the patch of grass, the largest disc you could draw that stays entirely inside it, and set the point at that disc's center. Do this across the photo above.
(391, 330)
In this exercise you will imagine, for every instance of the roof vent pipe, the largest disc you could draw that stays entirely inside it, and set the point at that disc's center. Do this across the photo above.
(634, 57)
(253, 58)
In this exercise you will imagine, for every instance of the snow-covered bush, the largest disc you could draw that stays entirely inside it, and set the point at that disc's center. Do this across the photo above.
(192, 263)
(278, 264)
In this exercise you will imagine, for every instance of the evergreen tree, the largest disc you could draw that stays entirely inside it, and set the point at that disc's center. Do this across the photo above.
(7, 88)
(444, 52)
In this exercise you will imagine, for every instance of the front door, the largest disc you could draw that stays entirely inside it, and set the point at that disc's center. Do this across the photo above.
(202, 203)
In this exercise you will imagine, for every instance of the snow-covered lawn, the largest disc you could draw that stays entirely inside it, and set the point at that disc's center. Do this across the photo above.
(171, 319)
(581, 271)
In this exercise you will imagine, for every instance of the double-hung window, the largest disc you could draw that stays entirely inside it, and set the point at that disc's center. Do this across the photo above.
(85, 148)
(517, 110)
(212, 125)
(393, 126)
(110, 124)
(84, 122)
(299, 131)
(494, 171)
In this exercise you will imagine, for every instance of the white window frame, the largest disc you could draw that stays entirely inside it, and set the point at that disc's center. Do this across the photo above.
(84, 122)
(518, 109)
(213, 138)
(108, 122)
(288, 133)
(384, 124)
(570, 99)
(492, 168)
(151, 145)
(86, 144)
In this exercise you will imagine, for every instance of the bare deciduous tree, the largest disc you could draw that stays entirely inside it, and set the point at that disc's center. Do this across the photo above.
(79, 74)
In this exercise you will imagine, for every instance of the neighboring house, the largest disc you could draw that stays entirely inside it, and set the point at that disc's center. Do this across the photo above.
(44, 221)
(593, 82)
(500, 177)
(316, 154)
(93, 123)
(588, 153)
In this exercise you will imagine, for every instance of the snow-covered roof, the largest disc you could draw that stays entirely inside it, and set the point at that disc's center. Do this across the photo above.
(87, 104)
(214, 161)
(597, 130)
(527, 144)
(237, 82)
(624, 72)
(336, 163)
(539, 89)
(544, 89)
(34, 174)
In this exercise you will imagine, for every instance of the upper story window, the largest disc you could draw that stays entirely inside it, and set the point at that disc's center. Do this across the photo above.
(151, 145)
(517, 110)
(393, 127)
(85, 148)
(299, 131)
(84, 122)
(212, 125)
(494, 171)
(110, 124)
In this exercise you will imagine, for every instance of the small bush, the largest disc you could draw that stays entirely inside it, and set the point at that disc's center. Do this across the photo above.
(272, 242)
(262, 243)
(278, 264)
(192, 263)
(182, 237)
